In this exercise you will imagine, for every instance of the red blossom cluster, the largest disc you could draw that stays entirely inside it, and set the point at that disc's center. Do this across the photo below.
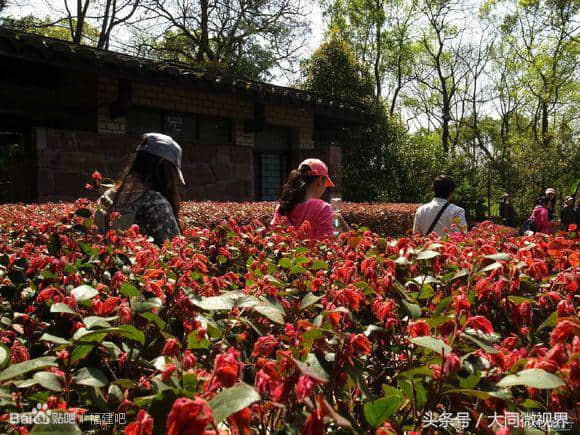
(234, 328)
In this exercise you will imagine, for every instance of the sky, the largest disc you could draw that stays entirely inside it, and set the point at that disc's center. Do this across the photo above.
(42, 8)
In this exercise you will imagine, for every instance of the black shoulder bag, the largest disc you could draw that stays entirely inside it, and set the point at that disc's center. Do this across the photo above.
(437, 218)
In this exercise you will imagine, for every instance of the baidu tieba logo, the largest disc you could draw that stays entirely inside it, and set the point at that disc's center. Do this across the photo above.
(41, 414)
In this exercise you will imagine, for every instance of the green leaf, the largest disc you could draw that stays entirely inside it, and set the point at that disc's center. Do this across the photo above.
(53, 339)
(427, 254)
(426, 292)
(232, 400)
(480, 342)
(132, 333)
(312, 368)
(411, 309)
(378, 411)
(91, 377)
(498, 257)
(128, 290)
(49, 380)
(434, 344)
(308, 300)
(491, 267)
(536, 378)
(272, 312)
(62, 308)
(442, 305)
(97, 321)
(319, 265)
(215, 303)
(285, 262)
(4, 355)
(193, 342)
(420, 372)
(152, 317)
(84, 293)
(80, 351)
(550, 322)
(27, 366)
(519, 299)
(460, 274)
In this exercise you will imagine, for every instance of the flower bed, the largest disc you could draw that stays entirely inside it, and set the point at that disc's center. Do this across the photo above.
(384, 219)
(237, 329)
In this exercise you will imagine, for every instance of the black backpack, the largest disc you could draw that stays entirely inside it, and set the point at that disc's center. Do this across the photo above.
(528, 225)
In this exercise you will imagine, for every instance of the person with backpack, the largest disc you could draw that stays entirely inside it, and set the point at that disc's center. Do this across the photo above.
(540, 217)
(439, 214)
(146, 192)
(506, 211)
(300, 200)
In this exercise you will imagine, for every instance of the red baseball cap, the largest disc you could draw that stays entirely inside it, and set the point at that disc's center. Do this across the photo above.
(317, 167)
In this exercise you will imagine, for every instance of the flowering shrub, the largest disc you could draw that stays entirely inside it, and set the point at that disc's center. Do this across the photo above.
(234, 328)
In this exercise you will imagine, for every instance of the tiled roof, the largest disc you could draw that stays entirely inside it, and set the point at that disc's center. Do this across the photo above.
(40, 48)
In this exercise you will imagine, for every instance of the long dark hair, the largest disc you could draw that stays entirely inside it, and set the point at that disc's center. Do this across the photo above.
(294, 190)
(156, 174)
(542, 201)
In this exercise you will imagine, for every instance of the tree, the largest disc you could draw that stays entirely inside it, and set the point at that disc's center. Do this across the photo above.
(367, 170)
(80, 21)
(379, 32)
(233, 35)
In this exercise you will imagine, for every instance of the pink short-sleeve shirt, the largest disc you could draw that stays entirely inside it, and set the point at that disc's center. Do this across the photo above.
(315, 211)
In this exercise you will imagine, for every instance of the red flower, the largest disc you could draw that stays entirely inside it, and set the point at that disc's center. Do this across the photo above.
(525, 312)
(314, 423)
(265, 346)
(143, 425)
(451, 364)
(227, 370)
(189, 360)
(420, 328)
(565, 308)
(171, 347)
(241, 421)
(360, 344)
(304, 387)
(189, 417)
(563, 331)
(480, 323)
(169, 370)
(19, 353)
(125, 313)
(97, 176)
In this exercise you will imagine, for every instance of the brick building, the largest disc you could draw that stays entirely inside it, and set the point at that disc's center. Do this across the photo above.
(71, 109)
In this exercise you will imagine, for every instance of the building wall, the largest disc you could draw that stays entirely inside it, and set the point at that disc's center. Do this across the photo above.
(218, 171)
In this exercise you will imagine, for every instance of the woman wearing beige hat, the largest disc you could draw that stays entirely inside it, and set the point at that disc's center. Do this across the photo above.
(146, 192)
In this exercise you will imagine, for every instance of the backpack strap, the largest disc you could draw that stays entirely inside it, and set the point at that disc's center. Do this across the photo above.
(437, 217)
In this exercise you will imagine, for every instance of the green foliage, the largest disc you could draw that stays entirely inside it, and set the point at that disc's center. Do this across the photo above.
(334, 71)
(48, 27)
(368, 150)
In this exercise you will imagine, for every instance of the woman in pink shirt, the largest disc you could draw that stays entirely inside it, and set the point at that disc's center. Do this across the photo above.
(540, 217)
(300, 200)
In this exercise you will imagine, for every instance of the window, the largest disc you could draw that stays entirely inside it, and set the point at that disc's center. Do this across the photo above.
(214, 130)
(185, 126)
(143, 120)
(179, 125)
(271, 155)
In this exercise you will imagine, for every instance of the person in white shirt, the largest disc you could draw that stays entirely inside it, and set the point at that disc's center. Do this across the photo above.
(440, 214)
